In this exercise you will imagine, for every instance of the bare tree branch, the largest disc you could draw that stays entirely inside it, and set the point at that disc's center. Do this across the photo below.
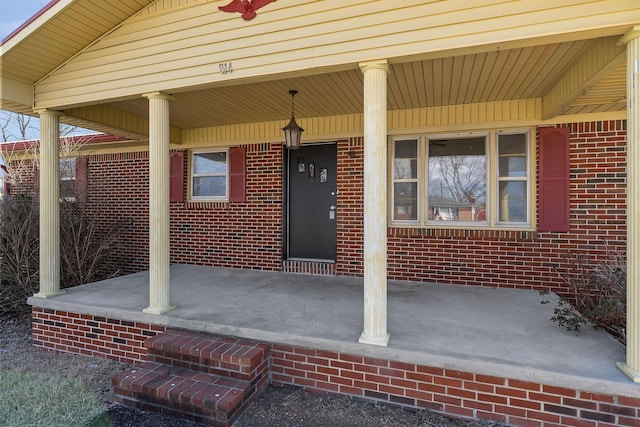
(17, 127)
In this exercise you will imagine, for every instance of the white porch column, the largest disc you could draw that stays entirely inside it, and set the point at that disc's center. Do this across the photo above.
(158, 203)
(632, 366)
(49, 204)
(375, 203)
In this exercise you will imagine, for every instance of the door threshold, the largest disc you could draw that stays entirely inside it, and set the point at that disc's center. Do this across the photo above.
(309, 266)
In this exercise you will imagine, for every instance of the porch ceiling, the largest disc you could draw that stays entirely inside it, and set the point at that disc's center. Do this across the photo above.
(521, 73)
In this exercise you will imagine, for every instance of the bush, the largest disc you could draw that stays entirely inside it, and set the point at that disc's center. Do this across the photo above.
(87, 246)
(87, 250)
(19, 257)
(597, 294)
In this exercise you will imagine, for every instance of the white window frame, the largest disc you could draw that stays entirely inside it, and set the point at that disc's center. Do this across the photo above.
(193, 175)
(418, 180)
(492, 181)
(530, 163)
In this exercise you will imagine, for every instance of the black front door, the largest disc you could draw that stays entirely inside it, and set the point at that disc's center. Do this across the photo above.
(311, 231)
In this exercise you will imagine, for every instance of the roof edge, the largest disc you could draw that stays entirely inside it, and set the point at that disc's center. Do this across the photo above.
(29, 21)
(90, 138)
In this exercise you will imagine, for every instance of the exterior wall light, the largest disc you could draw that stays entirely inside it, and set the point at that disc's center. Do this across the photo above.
(292, 132)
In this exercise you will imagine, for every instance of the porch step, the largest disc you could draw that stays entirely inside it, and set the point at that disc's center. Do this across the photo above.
(196, 376)
(229, 357)
(182, 393)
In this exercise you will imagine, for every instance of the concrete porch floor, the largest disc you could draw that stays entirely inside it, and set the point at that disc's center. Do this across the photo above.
(499, 332)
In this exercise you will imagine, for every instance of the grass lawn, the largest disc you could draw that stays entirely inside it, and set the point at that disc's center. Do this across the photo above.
(37, 399)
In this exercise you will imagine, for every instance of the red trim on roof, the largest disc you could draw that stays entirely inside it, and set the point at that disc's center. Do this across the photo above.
(81, 139)
(29, 21)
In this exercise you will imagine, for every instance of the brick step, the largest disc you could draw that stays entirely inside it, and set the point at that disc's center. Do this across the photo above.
(223, 356)
(183, 393)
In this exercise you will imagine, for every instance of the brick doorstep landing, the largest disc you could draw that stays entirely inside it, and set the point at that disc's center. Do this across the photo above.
(196, 376)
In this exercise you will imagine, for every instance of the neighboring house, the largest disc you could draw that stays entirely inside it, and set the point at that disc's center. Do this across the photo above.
(475, 145)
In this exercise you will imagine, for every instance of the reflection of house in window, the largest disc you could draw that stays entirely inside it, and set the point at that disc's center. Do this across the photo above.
(443, 209)
(457, 179)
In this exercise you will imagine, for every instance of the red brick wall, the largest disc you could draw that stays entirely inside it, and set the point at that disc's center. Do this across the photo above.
(236, 235)
(463, 394)
(118, 188)
(530, 260)
(68, 332)
(249, 235)
(350, 248)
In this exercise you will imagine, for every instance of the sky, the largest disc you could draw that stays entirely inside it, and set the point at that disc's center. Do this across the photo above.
(14, 13)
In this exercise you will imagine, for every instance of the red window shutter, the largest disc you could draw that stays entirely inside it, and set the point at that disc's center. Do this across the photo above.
(237, 174)
(553, 179)
(81, 176)
(176, 180)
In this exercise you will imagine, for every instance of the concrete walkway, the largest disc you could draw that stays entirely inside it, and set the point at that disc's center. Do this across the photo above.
(501, 332)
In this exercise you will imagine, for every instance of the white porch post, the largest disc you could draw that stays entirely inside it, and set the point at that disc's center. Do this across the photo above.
(49, 204)
(632, 366)
(375, 203)
(158, 203)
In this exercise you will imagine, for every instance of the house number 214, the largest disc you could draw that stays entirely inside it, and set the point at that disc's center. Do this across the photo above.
(225, 68)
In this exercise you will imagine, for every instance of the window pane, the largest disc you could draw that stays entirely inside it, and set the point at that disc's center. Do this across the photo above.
(405, 169)
(512, 203)
(210, 186)
(68, 169)
(457, 179)
(210, 163)
(405, 163)
(512, 154)
(513, 166)
(405, 203)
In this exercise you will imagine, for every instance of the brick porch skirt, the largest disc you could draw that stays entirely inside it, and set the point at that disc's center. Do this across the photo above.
(457, 393)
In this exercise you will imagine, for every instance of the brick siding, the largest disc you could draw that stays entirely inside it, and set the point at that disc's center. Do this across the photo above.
(68, 332)
(249, 234)
(412, 386)
(530, 260)
(462, 394)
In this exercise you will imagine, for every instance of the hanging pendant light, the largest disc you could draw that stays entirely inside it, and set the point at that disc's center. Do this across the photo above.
(292, 132)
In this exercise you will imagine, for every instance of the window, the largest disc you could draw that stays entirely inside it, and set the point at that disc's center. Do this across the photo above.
(405, 180)
(209, 179)
(457, 179)
(512, 178)
(68, 179)
(471, 180)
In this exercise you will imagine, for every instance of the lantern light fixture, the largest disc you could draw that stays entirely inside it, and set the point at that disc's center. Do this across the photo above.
(292, 132)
